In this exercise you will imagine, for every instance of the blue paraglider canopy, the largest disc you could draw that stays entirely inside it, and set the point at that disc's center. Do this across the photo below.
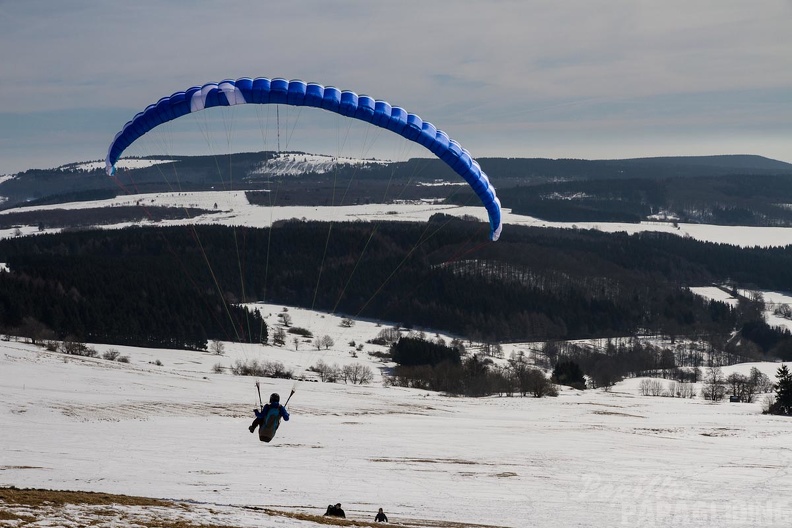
(262, 90)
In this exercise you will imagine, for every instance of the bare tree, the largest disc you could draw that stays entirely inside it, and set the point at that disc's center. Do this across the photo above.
(686, 390)
(111, 354)
(357, 374)
(653, 387)
(279, 336)
(34, 330)
(217, 348)
(327, 342)
(492, 350)
(326, 372)
(389, 335)
(714, 388)
(761, 381)
(73, 346)
(738, 384)
(783, 310)
(537, 383)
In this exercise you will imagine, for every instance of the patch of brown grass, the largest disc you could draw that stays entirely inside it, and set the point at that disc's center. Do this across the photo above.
(16, 504)
(39, 497)
(11, 516)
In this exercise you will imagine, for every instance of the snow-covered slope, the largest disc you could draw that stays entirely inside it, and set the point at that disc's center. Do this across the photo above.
(294, 164)
(126, 163)
(235, 210)
(179, 430)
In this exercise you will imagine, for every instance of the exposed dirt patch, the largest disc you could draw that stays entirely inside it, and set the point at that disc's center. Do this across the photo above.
(428, 461)
(39, 507)
(613, 413)
(721, 432)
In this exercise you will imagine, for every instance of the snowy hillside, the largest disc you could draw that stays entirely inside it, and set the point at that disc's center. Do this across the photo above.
(772, 300)
(234, 209)
(173, 424)
(127, 163)
(295, 164)
(281, 164)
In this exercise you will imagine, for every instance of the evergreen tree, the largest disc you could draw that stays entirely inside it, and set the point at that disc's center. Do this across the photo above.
(411, 351)
(783, 392)
(567, 372)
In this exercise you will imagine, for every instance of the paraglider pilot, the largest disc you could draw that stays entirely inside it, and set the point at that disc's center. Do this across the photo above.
(274, 403)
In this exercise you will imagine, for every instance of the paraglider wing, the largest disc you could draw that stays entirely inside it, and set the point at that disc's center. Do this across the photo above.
(299, 93)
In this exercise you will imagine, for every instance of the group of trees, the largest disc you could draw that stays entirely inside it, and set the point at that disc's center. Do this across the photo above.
(432, 365)
(674, 389)
(254, 367)
(745, 388)
(355, 373)
(131, 290)
(716, 386)
(609, 363)
(724, 200)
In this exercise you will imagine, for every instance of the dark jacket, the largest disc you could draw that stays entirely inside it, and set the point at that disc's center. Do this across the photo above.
(381, 517)
(281, 409)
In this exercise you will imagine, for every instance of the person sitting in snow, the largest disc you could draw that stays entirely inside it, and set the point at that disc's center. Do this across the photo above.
(274, 403)
(335, 511)
(381, 517)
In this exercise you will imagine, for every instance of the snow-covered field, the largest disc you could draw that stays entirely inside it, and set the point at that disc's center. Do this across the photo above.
(232, 208)
(179, 431)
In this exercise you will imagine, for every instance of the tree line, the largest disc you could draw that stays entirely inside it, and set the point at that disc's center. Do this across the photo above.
(725, 199)
(175, 285)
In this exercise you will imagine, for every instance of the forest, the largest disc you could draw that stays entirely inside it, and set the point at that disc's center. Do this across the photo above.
(721, 200)
(180, 286)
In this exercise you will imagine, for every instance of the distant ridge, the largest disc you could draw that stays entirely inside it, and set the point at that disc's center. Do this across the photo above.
(253, 170)
(732, 161)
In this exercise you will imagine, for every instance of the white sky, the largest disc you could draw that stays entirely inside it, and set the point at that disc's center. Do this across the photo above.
(582, 79)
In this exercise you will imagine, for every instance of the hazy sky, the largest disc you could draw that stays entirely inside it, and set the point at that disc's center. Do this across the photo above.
(573, 79)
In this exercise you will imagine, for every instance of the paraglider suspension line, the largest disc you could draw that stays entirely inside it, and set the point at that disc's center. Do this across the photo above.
(258, 388)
